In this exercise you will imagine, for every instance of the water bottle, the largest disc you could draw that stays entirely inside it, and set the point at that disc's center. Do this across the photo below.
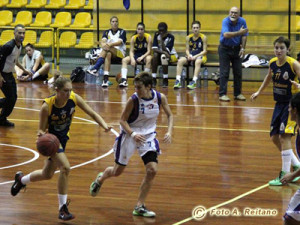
(137, 71)
(205, 77)
(99, 79)
(160, 76)
(199, 80)
(183, 78)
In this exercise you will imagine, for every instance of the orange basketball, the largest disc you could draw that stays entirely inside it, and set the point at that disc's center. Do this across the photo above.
(119, 77)
(47, 144)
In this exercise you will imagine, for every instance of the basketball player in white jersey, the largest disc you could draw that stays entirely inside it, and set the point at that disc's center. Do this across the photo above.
(138, 125)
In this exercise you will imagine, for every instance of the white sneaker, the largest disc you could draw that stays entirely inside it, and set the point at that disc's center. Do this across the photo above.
(123, 83)
(224, 98)
(240, 97)
(93, 72)
(105, 84)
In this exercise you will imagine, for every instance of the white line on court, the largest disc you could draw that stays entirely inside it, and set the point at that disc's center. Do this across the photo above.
(226, 203)
(182, 105)
(36, 156)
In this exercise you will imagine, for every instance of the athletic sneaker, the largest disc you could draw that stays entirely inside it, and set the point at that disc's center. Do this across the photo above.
(177, 84)
(143, 211)
(95, 186)
(123, 83)
(192, 85)
(93, 72)
(276, 181)
(240, 97)
(165, 82)
(17, 186)
(294, 169)
(64, 213)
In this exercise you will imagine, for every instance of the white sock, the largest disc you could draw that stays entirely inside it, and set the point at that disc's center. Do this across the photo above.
(147, 70)
(106, 72)
(154, 75)
(178, 77)
(124, 72)
(286, 160)
(35, 75)
(62, 199)
(25, 179)
(295, 160)
(195, 79)
(165, 76)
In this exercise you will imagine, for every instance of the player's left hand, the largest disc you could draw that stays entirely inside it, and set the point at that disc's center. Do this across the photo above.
(297, 85)
(242, 53)
(109, 127)
(168, 138)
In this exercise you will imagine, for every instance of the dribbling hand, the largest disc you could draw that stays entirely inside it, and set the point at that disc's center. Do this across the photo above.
(254, 96)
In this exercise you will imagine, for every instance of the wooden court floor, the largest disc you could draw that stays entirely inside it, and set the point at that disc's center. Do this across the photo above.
(221, 156)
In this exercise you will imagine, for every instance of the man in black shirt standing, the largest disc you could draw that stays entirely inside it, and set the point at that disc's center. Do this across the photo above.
(9, 55)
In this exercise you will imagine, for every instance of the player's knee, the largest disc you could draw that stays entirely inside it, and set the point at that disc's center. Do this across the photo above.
(151, 172)
(117, 172)
(65, 169)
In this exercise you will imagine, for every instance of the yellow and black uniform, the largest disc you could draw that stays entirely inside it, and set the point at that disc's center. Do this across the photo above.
(59, 119)
(140, 45)
(282, 92)
(196, 45)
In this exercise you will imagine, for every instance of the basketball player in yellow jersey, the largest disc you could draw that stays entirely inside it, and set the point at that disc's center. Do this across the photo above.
(56, 116)
(140, 52)
(284, 71)
(196, 50)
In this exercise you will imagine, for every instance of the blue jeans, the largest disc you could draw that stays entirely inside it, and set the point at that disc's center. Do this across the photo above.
(229, 54)
(9, 89)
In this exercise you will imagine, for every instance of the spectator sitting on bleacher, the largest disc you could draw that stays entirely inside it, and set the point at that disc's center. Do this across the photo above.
(164, 52)
(113, 45)
(33, 61)
(140, 52)
(196, 50)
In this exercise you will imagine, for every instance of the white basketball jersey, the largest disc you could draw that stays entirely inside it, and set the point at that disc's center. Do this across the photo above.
(144, 114)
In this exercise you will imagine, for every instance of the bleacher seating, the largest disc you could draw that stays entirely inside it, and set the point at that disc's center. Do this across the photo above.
(46, 39)
(82, 19)
(6, 17)
(36, 4)
(17, 4)
(3, 3)
(90, 5)
(62, 19)
(67, 39)
(75, 4)
(23, 17)
(42, 19)
(86, 41)
(55, 4)
(6, 35)
(30, 37)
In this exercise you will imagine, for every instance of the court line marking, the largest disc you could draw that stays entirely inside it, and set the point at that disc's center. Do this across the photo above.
(226, 203)
(183, 105)
(36, 156)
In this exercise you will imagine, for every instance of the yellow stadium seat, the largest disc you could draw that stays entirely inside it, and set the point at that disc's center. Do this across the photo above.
(297, 6)
(46, 40)
(3, 3)
(42, 19)
(67, 39)
(55, 4)
(62, 19)
(30, 37)
(90, 5)
(36, 4)
(6, 36)
(17, 4)
(23, 17)
(86, 40)
(75, 4)
(297, 23)
(82, 19)
(6, 17)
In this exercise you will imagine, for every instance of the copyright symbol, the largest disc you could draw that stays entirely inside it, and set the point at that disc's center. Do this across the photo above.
(199, 212)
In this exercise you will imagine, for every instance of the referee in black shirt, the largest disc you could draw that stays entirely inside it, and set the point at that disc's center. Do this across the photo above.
(9, 55)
